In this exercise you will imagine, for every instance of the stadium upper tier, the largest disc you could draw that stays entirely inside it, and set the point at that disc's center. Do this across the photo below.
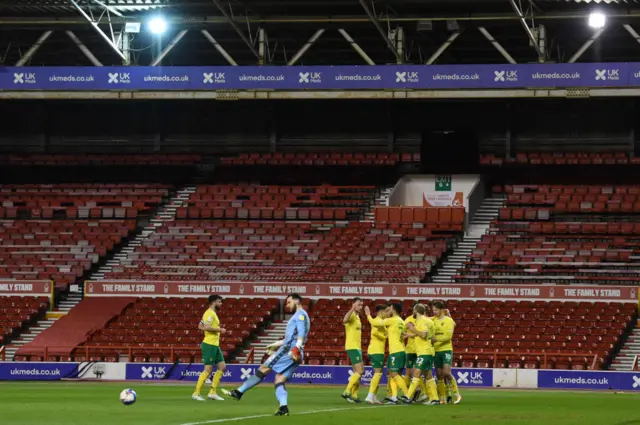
(561, 158)
(561, 234)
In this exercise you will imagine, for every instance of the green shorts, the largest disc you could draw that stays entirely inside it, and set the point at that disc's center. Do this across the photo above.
(424, 362)
(396, 361)
(377, 360)
(411, 360)
(211, 354)
(442, 358)
(355, 356)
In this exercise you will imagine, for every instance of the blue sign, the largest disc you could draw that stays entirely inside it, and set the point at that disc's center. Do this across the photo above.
(34, 371)
(473, 377)
(322, 77)
(323, 375)
(588, 380)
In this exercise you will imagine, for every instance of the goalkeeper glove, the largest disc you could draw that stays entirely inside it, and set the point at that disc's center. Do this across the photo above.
(296, 354)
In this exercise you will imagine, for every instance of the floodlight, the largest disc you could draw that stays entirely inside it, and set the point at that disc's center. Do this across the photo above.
(597, 20)
(157, 25)
(132, 27)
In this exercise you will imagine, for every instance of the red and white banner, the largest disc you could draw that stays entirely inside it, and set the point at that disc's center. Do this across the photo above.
(373, 290)
(443, 199)
(26, 287)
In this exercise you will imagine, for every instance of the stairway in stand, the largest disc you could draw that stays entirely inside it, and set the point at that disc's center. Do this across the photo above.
(275, 332)
(631, 349)
(480, 224)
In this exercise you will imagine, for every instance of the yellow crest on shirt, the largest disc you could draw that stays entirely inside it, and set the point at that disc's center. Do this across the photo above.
(301, 317)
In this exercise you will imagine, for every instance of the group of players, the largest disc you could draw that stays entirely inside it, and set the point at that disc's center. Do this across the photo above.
(416, 343)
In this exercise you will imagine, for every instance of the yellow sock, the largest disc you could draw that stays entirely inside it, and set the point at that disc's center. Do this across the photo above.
(201, 380)
(407, 379)
(352, 382)
(453, 387)
(423, 386)
(389, 386)
(355, 390)
(375, 383)
(415, 383)
(441, 389)
(394, 387)
(432, 390)
(400, 382)
(215, 382)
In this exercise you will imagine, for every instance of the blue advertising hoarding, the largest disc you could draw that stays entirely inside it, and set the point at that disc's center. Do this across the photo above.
(35, 371)
(390, 77)
(323, 375)
(588, 380)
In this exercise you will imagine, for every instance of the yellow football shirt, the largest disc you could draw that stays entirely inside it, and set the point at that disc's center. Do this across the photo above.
(353, 333)
(395, 329)
(411, 343)
(211, 318)
(424, 346)
(378, 336)
(444, 333)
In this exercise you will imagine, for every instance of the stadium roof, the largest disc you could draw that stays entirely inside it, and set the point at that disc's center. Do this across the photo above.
(388, 31)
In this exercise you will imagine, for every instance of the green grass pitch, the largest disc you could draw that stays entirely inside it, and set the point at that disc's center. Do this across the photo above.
(82, 403)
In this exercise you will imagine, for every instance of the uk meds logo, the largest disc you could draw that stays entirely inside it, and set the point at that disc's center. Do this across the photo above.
(607, 75)
(24, 78)
(407, 77)
(505, 76)
(310, 77)
(119, 78)
(214, 78)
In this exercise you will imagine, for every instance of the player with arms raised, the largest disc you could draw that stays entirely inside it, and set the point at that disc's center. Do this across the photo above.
(211, 353)
(353, 346)
(444, 327)
(423, 330)
(287, 356)
(376, 350)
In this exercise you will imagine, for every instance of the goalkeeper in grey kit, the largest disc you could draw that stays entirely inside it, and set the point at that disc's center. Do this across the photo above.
(286, 356)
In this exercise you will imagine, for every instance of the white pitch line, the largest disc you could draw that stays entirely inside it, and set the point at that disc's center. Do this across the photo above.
(310, 412)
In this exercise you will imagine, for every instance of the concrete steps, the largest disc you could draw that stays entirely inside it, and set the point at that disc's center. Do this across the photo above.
(275, 332)
(631, 349)
(478, 227)
(28, 336)
(166, 213)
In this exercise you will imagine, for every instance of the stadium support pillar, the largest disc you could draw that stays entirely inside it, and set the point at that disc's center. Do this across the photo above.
(497, 45)
(434, 57)
(532, 39)
(33, 49)
(169, 47)
(111, 41)
(400, 44)
(586, 45)
(542, 40)
(356, 47)
(262, 36)
(376, 23)
(84, 49)
(219, 48)
(237, 29)
(124, 43)
(306, 47)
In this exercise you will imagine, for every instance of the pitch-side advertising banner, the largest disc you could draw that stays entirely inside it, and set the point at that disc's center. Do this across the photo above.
(585, 380)
(325, 375)
(373, 290)
(36, 371)
(322, 77)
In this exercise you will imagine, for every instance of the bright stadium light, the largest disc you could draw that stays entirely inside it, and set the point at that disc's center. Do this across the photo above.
(157, 25)
(597, 20)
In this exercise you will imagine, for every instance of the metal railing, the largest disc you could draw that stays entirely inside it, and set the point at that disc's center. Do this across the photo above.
(3, 353)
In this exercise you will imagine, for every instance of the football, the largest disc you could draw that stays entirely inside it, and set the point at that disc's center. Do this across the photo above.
(128, 396)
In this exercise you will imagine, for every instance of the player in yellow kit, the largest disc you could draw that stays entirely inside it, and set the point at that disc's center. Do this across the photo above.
(376, 350)
(353, 346)
(211, 353)
(410, 349)
(444, 327)
(397, 356)
(422, 331)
